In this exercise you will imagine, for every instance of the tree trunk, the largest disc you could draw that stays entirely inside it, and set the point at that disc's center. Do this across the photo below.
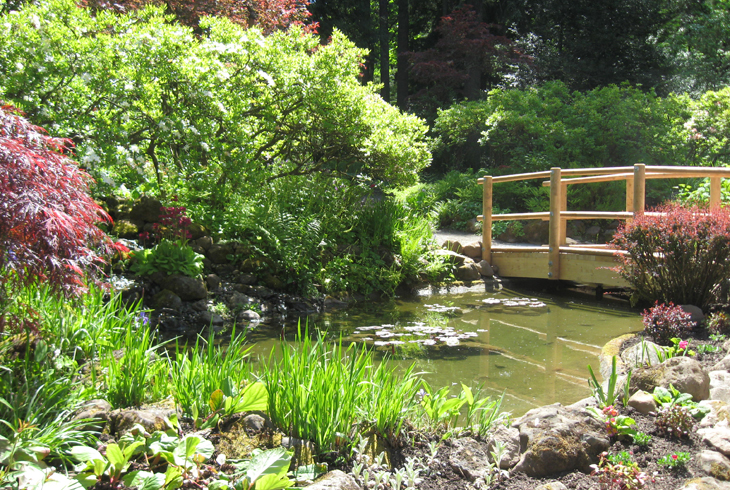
(384, 50)
(367, 24)
(402, 75)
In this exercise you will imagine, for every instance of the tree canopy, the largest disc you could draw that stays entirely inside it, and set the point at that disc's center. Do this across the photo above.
(149, 103)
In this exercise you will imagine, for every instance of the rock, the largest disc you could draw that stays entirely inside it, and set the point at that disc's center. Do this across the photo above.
(224, 269)
(718, 416)
(720, 385)
(684, 373)
(198, 231)
(208, 318)
(200, 305)
(204, 242)
(706, 483)
(696, 314)
(454, 257)
(246, 279)
(485, 269)
(583, 403)
(553, 485)
(536, 232)
(330, 302)
(643, 402)
(593, 232)
(188, 288)
(452, 246)
(467, 272)
(469, 458)
(714, 464)
(472, 226)
(472, 250)
(510, 439)
(254, 422)
(213, 281)
(554, 439)
(249, 315)
(124, 228)
(642, 354)
(218, 253)
(722, 365)
(146, 209)
(98, 412)
(718, 439)
(273, 282)
(240, 300)
(726, 346)
(167, 299)
(151, 419)
(335, 480)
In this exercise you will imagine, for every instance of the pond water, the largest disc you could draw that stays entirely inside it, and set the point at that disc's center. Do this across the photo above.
(532, 347)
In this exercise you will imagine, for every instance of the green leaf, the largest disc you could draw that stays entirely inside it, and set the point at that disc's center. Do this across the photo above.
(273, 482)
(115, 455)
(270, 462)
(216, 400)
(218, 485)
(173, 477)
(86, 454)
(467, 394)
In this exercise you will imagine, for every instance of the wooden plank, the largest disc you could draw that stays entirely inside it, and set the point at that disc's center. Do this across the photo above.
(543, 215)
(597, 215)
(590, 269)
(521, 264)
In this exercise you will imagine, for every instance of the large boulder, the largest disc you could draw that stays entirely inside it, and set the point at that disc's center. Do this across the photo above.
(509, 437)
(125, 228)
(187, 288)
(714, 464)
(554, 439)
(152, 419)
(706, 483)
(684, 373)
(167, 299)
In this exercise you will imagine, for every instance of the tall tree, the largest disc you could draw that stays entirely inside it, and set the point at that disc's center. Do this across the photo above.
(384, 37)
(402, 50)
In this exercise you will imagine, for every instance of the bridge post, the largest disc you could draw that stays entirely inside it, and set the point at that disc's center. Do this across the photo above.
(556, 194)
(639, 188)
(487, 219)
(715, 192)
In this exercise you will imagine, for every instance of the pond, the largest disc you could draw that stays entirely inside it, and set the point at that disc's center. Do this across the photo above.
(534, 348)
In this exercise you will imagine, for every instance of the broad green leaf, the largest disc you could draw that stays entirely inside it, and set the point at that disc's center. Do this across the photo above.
(218, 485)
(254, 397)
(173, 478)
(5, 450)
(86, 480)
(272, 482)
(270, 462)
(115, 455)
(191, 443)
(85, 453)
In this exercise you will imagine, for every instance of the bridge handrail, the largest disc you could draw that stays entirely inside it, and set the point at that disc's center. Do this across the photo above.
(558, 215)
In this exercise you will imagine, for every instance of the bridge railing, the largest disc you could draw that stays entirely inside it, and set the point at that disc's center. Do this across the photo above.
(635, 178)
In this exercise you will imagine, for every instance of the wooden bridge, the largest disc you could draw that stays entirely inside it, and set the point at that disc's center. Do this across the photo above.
(586, 263)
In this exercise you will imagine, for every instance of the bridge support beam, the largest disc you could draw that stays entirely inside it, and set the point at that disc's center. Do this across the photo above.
(487, 219)
(556, 206)
(639, 188)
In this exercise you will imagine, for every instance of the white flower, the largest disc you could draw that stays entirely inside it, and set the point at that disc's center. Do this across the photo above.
(204, 146)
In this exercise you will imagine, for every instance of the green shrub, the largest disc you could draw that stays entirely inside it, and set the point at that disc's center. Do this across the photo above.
(676, 254)
(170, 257)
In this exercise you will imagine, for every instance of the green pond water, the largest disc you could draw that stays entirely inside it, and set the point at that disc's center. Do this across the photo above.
(533, 347)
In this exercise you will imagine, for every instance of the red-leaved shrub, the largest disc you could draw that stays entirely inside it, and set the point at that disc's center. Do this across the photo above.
(676, 254)
(663, 322)
(48, 231)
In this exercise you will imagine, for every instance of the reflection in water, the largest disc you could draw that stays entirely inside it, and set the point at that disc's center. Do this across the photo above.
(535, 349)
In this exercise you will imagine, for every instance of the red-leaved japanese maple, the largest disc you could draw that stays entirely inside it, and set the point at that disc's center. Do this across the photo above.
(48, 231)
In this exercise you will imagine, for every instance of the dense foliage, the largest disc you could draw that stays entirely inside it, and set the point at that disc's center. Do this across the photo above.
(150, 104)
(48, 231)
(680, 256)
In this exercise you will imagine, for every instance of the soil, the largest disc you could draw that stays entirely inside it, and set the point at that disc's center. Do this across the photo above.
(443, 477)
